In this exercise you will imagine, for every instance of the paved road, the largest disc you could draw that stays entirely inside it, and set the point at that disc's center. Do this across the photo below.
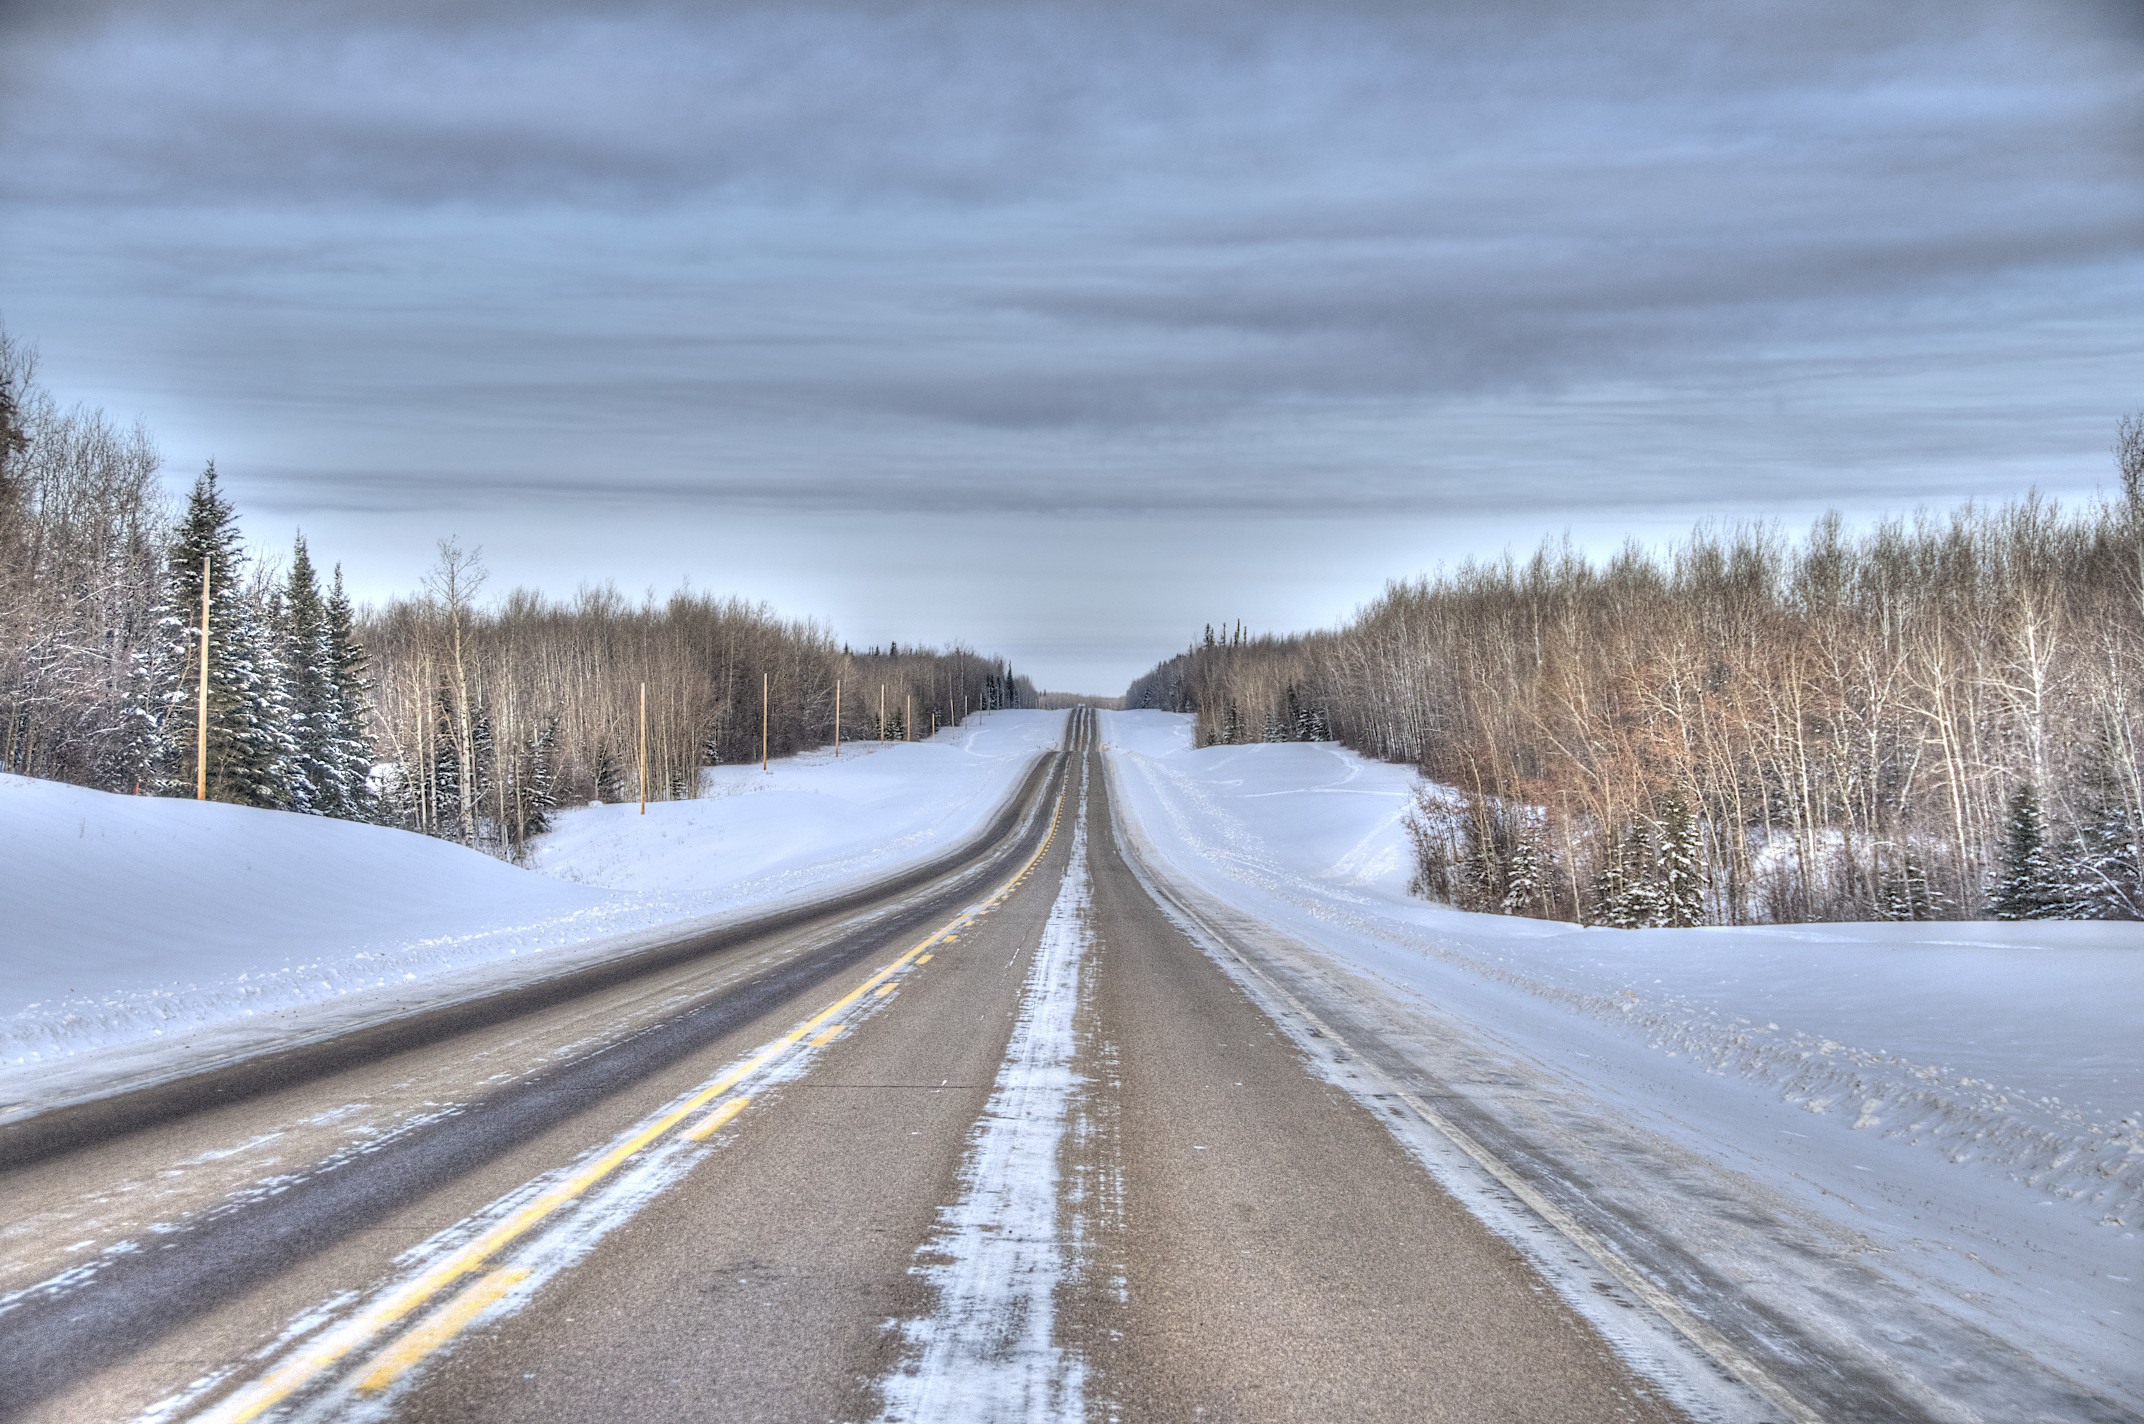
(1011, 1147)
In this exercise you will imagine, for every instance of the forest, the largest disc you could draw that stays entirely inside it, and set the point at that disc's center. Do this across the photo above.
(1935, 717)
(441, 711)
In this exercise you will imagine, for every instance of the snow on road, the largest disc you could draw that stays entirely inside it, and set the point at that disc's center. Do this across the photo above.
(137, 931)
(987, 1350)
(1961, 1104)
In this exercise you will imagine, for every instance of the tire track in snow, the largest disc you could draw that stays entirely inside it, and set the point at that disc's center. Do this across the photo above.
(988, 1351)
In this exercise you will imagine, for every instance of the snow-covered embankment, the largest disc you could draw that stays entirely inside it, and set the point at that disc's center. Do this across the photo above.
(1958, 1107)
(137, 932)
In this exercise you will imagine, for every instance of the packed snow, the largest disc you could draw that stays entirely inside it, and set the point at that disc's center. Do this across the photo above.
(137, 928)
(1965, 1098)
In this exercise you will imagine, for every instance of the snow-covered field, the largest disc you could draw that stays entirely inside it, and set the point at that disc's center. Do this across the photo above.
(1962, 1105)
(130, 927)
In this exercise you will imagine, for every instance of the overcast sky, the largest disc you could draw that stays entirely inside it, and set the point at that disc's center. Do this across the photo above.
(1066, 328)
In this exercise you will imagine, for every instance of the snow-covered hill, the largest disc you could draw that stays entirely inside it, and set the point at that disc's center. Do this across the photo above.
(131, 927)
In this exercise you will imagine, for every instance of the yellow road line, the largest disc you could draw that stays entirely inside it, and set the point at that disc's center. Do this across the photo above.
(835, 1032)
(389, 1364)
(923, 959)
(715, 1121)
(324, 1354)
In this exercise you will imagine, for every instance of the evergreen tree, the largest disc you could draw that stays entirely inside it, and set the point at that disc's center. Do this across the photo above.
(350, 741)
(2028, 888)
(2102, 870)
(1611, 887)
(1482, 862)
(1681, 869)
(445, 819)
(1306, 723)
(301, 624)
(1906, 893)
(251, 754)
(1526, 873)
(1627, 891)
(1641, 878)
(531, 787)
(609, 776)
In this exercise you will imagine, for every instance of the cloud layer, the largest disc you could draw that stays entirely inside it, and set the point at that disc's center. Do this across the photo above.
(1108, 258)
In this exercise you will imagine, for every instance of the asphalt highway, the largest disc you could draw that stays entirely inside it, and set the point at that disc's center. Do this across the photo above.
(1006, 1144)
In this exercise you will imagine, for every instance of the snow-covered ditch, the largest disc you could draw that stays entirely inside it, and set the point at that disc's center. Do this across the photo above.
(131, 926)
(1967, 1099)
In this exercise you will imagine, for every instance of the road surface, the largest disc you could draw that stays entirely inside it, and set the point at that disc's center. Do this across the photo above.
(1004, 1145)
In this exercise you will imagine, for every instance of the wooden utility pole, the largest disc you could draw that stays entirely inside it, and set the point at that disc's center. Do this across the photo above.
(643, 749)
(837, 716)
(208, 564)
(882, 711)
(765, 680)
(908, 719)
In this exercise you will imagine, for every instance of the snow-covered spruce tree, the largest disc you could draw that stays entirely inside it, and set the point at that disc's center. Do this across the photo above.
(1612, 906)
(2100, 869)
(1905, 893)
(2029, 887)
(251, 755)
(301, 627)
(1526, 872)
(349, 742)
(1482, 881)
(1641, 878)
(531, 788)
(610, 777)
(1626, 890)
(444, 795)
(1681, 866)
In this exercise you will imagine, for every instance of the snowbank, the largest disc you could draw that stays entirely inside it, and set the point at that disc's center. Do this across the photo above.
(809, 823)
(1968, 1097)
(128, 924)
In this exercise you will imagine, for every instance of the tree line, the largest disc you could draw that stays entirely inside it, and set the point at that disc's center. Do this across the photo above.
(489, 716)
(440, 712)
(1938, 717)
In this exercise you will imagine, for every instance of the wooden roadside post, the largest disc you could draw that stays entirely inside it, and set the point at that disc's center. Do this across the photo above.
(908, 719)
(208, 564)
(837, 716)
(882, 711)
(643, 749)
(765, 684)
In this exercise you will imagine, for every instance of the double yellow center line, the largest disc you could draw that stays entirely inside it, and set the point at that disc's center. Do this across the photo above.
(385, 1315)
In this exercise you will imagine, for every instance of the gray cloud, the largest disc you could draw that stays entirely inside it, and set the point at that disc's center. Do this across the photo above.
(1106, 258)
